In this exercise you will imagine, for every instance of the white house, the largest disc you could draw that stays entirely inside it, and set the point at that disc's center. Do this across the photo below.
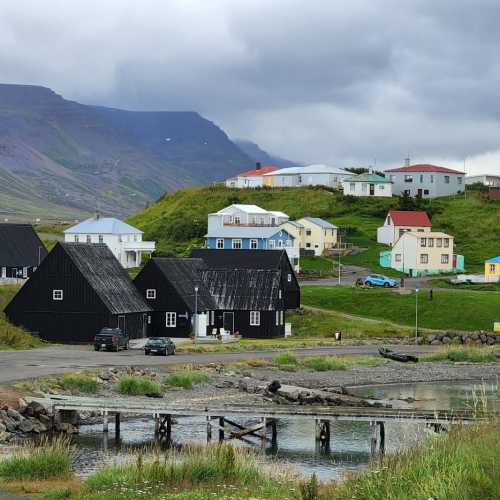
(311, 175)
(485, 180)
(249, 227)
(367, 185)
(124, 241)
(250, 178)
(399, 222)
(427, 181)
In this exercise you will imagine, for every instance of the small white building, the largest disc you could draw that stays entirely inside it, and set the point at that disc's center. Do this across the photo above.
(426, 181)
(399, 222)
(371, 185)
(250, 178)
(124, 241)
(311, 175)
(485, 180)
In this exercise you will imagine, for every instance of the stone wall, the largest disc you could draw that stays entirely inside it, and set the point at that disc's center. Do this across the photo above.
(457, 337)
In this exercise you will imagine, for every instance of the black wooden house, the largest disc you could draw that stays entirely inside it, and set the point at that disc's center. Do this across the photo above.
(77, 290)
(168, 286)
(21, 250)
(271, 260)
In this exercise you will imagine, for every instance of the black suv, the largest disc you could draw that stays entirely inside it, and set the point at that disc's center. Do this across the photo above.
(159, 345)
(111, 339)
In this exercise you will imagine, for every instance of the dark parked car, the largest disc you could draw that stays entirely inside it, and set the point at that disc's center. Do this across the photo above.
(111, 339)
(159, 345)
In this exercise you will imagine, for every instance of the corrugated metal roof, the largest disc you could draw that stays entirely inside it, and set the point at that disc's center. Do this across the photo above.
(20, 246)
(373, 178)
(425, 167)
(103, 225)
(320, 222)
(240, 259)
(106, 276)
(244, 289)
(251, 209)
(410, 218)
(310, 169)
(184, 275)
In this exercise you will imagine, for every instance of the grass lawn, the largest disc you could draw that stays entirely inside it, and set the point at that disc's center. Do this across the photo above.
(322, 266)
(479, 287)
(448, 310)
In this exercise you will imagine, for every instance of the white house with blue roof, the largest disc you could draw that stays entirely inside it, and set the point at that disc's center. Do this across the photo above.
(250, 227)
(124, 240)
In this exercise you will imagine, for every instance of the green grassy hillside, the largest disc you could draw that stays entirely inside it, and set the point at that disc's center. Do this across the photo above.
(178, 220)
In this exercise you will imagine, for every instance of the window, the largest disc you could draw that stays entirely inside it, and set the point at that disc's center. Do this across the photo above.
(254, 318)
(279, 294)
(401, 232)
(445, 258)
(308, 232)
(424, 258)
(364, 187)
(253, 244)
(77, 239)
(151, 293)
(439, 242)
(277, 318)
(308, 245)
(271, 244)
(430, 242)
(237, 219)
(281, 316)
(135, 237)
(381, 187)
(459, 180)
(492, 268)
(171, 319)
(421, 178)
(446, 179)
(280, 243)
(101, 238)
(423, 242)
(408, 178)
(446, 242)
(352, 186)
(432, 179)
(426, 191)
(236, 244)
(398, 257)
(219, 243)
(89, 238)
(289, 277)
(57, 294)
(300, 179)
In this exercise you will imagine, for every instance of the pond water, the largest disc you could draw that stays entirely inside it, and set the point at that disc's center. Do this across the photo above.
(350, 441)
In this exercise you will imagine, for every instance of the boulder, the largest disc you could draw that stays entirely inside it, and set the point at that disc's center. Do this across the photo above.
(10, 425)
(430, 338)
(446, 340)
(2, 427)
(436, 342)
(26, 426)
(14, 415)
(106, 376)
(5, 437)
(490, 340)
(66, 428)
(33, 409)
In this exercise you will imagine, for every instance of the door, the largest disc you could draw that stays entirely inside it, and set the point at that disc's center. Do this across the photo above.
(144, 326)
(372, 189)
(121, 323)
(419, 193)
(228, 322)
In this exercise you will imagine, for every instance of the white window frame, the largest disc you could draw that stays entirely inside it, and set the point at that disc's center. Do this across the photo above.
(101, 238)
(254, 318)
(57, 295)
(282, 317)
(77, 238)
(170, 319)
(219, 243)
(445, 258)
(234, 242)
(352, 187)
(424, 258)
(151, 293)
(398, 257)
(289, 278)
(446, 179)
(254, 244)
(271, 244)
(212, 318)
(277, 318)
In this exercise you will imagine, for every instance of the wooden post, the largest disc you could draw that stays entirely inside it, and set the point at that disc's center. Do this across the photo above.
(373, 441)
(221, 429)
(382, 437)
(263, 432)
(169, 427)
(209, 428)
(117, 425)
(274, 433)
(105, 421)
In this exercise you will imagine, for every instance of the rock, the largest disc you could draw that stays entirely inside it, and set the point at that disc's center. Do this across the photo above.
(490, 340)
(420, 341)
(154, 395)
(34, 409)
(456, 340)
(10, 425)
(2, 428)
(105, 376)
(26, 426)
(436, 342)
(5, 437)
(14, 415)
(482, 336)
(243, 384)
(66, 428)
(46, 421)
(224, 384)
(430, 338)
(474, 336)
(21, 405)
(446, 340)
(273, 386)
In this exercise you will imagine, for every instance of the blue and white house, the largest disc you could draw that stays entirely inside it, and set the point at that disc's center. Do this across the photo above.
(250, 227)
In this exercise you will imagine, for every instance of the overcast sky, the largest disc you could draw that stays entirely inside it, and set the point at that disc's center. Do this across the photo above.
(332, 81)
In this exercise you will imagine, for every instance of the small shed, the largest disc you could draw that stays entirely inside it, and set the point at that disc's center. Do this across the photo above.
(168, 286)
(21, 250)
(270, 260)
(77, 290)
(249, 301)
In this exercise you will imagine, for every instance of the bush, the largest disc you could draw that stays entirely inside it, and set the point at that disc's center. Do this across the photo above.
(286, 359)
(80, 382)
(187, 379)
(323, 364)
(138, 386)
(464, 354)
(43, 461)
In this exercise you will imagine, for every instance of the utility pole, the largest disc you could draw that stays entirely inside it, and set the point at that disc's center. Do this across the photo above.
(195, 311)
(340, 249)
(416, 315)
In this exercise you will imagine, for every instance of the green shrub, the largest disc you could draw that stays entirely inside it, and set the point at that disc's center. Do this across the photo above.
(286, 359)
(187, 379)
(464, 354)
(138, 386)
(80, 382)
(324, 363)
(47, 460)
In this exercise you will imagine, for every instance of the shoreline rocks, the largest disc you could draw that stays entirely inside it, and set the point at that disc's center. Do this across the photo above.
(459, 338)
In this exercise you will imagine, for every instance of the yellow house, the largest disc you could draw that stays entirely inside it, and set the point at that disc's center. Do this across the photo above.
(313, 233)
(492, 269)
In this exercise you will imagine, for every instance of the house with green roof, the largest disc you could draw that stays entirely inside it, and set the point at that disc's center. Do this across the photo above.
(368, 184)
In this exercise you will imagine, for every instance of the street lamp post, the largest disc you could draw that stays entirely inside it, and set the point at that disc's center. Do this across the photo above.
(195, 311)
(416, 315)
(340, 249)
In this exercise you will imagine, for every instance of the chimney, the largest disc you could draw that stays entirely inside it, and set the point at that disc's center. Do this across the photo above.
(257, 165)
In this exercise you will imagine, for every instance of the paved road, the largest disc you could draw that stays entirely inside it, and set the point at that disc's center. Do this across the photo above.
(18, 365)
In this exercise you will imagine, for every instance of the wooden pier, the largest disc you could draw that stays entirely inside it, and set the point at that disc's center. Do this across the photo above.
(224, 418)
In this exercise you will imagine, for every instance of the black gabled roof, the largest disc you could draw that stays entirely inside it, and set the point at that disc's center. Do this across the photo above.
(20, 246)
(240, 259)
(184, 274)
(244, 289)
(106, 276)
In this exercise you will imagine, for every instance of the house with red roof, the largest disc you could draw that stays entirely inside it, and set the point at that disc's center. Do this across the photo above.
(399, 222)
(426, 181)
(250, 178)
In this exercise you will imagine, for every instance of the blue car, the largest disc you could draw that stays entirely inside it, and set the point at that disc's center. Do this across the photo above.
(379, 280)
